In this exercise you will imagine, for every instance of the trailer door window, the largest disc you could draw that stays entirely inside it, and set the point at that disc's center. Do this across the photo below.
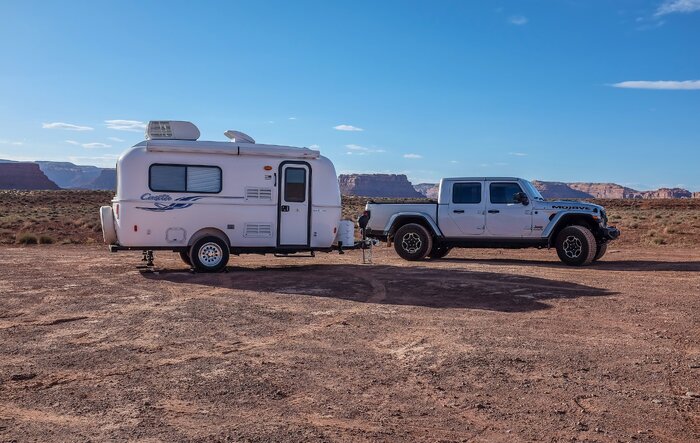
(183, 178)
(466, 193)
(295, 185)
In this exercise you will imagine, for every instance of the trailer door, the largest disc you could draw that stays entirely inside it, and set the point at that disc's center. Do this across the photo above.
(294, 208)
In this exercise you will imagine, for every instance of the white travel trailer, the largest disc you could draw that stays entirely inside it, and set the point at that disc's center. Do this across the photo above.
(206, 199)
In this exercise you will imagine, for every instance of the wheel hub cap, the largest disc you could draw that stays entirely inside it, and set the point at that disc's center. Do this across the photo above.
(411, 242)
(210, 254)
(572, 247)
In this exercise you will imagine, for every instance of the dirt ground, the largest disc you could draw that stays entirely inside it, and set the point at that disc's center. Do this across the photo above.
(481, 346)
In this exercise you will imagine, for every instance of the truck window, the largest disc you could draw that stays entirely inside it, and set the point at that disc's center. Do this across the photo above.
(184, 178)
(469, 193)
(295, 185)
(504, 193)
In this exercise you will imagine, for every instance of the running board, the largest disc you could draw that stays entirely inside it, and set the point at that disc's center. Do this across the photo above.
(311, 254)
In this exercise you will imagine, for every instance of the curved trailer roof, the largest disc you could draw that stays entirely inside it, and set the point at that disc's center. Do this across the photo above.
(228, 148)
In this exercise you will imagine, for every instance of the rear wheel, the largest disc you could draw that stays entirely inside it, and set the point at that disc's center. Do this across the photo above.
(576, 245)
(600, 252)
(209, 254)
(439, 251)
(413, 242)
(185, 256)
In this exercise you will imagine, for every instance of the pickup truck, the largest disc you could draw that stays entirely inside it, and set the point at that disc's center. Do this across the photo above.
(490, 212)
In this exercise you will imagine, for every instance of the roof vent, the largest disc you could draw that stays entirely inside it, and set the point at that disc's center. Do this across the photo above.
(171, 130)
(239, 137)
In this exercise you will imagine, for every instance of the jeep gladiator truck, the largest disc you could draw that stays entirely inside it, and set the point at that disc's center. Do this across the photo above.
(491, 212)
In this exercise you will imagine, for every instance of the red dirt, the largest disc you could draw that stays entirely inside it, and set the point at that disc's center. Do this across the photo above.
(481, 346)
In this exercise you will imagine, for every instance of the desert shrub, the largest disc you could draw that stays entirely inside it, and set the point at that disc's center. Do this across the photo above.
(634, 225)
(46, 240)
(27, 239)
(658, 241)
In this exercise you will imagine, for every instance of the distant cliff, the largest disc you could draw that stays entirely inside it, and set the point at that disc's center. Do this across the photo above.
(429, 190)
(20, 175)
(107, 181)
(68, 175)
(377, 185)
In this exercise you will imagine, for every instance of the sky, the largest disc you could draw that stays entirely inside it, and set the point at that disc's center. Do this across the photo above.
(562, 90)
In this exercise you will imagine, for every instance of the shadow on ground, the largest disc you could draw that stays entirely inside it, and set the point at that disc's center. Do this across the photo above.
(392, 285)
(619, 265)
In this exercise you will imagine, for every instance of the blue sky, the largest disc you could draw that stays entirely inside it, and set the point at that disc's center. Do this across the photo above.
(568, 90)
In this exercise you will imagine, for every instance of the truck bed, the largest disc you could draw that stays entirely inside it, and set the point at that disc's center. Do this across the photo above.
(381, 213)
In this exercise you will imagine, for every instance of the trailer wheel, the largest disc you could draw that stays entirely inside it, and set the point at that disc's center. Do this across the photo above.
(439, 251)
(576, 246)
(209, 254)
(185, 256)
(600, 252)
(413, 242)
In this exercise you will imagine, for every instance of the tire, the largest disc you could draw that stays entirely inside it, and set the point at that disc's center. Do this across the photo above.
(413, 242)
(209, 254)
(576, 246)
(600, 252)
(185, 256)
(438, 251)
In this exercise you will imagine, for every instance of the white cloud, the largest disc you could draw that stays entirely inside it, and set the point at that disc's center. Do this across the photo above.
(517, 20)
(454, 161)
(412, 156)
(66, 126)
(347, 128)
(9, 142)
(314, 146)
(659, 84)
(678, 6)
(292, 118)
(93, 145)
(116, 139)
(359, 148)
(519, 154)
(126, 125)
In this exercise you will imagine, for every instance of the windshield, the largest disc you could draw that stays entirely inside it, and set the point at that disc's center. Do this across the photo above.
(533, 191)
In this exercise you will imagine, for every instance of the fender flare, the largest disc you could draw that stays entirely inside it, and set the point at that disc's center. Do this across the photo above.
(390, 227)
(555, 222)
(209, 231)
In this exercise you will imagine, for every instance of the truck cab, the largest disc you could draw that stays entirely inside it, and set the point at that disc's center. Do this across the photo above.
(492, 212)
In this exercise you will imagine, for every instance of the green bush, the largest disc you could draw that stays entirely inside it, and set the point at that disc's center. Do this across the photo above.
(45, 240)
(27, 239)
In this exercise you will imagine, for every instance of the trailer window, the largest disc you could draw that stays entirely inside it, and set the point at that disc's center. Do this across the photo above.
(469, 193)
(504, 193)
(295, 185)
(183, 178)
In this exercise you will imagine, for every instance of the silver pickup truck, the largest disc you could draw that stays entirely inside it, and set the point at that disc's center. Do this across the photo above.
(491, 212)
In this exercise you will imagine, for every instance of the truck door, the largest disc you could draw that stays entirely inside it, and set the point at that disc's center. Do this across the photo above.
(294, 205)
(466, 209)
(505, 217)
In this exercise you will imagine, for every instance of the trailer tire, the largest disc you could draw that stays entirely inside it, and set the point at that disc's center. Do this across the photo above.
(439, 252)
(413, 242)
(209, 254)
(185, 256)
(576, 245)
(600, 251)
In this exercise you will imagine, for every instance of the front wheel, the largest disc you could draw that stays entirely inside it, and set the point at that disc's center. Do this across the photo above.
(413, 242)
(576, 245)
(209, 254)
(439, 251)
(600, 252)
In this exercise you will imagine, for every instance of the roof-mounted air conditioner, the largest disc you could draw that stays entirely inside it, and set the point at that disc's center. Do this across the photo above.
(239, 137)
(171, 130)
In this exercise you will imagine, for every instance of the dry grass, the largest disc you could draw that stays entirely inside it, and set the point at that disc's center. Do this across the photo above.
(66, 217)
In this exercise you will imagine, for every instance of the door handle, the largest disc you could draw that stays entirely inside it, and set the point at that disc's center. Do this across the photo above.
(494, 211)
(458, 211)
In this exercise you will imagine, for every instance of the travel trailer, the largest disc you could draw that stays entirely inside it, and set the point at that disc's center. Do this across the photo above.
(207, 199)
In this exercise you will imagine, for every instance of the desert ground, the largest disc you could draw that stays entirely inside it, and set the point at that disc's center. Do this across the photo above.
(481, 346)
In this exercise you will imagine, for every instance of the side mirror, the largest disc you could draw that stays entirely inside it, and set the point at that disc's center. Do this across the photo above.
(521, 197)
